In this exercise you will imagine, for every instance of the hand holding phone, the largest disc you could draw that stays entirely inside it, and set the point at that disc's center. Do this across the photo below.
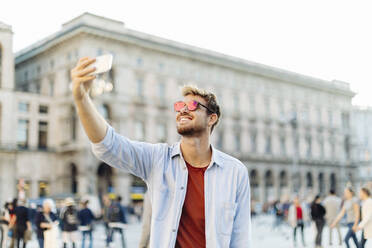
(102, 64)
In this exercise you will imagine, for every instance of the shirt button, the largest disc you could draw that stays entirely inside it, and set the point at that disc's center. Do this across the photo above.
(182, 188)
(174, 230)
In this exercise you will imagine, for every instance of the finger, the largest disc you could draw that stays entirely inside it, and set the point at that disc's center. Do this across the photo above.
(83, 58)
(86, 71)
(85, 63)
(87, 78)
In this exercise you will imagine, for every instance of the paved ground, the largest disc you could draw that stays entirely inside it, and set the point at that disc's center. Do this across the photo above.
(264, 236)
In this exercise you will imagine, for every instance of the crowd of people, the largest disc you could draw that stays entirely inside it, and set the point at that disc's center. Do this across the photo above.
(356, 214)
(20, 223)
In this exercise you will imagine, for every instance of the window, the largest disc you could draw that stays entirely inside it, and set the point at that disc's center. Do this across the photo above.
(345, 121)
(282, 146)
(73, 123)
(252, 103)
(267, 106)
(220, 140)
(268, 144)
(99, 51)
(22, 133)
(139, 61)
(23, 107)
(43, 135)
(319, 114)
(333, 149)
(43, 188)
(236, 102)
(51, 64)
(306, 115)
(253, 140)
(308, 143)
(321, 147)
(104, 110)
(43, 109)
(51, 88)
(281, 110)
(161, 132)
(139, 131)
(161, 90)
(347, 147)
(330, 118)
(237, 142)
(140, 87)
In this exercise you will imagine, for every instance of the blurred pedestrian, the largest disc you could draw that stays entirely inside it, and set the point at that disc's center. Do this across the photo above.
(4, 224)
(12, 224)
(332, 204)
(279, 215)
(296, 217)
(317, 214)
(69, 218)
(46, 220)
(366, 223)
(146, 223)
(22, 223)
(117, 221)
(105, 211)
(352, 211)
(86, 219)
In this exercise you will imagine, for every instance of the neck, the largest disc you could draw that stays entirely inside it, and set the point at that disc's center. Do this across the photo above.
(196, 150)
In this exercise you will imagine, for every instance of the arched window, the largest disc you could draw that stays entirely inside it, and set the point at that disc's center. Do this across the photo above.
(74, 179)
(283, 179)
(104, 110)
(309, 180)
(105, 180)
(254, 180)
(321, 183)
(269, 180)
(333, 182)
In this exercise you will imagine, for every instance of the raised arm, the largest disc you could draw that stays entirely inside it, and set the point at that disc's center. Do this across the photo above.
(339, 217)
(94, 124)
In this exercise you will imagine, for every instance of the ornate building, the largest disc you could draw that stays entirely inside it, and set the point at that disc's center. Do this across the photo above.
(291, 131)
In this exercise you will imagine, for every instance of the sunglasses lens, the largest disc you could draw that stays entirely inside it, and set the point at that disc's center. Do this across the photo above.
(178, 106)
(192, 105)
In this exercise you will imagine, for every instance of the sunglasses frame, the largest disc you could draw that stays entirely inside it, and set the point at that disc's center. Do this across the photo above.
(197, 105)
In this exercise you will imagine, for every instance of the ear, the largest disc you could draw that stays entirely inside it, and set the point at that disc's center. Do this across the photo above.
(212, 119)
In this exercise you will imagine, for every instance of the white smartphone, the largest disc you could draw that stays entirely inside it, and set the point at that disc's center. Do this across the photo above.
(102, 64)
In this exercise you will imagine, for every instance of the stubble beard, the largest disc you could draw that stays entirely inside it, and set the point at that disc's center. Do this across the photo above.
(190, 131)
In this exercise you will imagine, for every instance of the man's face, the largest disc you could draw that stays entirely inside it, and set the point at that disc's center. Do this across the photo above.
(192, 123)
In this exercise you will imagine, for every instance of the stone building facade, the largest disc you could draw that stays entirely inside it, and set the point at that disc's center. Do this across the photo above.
(290, 130)
(362, 144)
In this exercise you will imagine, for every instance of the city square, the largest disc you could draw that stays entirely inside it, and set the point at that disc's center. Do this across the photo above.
(276, 142)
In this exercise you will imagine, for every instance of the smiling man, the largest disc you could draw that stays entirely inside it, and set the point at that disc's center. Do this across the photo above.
(200, 196)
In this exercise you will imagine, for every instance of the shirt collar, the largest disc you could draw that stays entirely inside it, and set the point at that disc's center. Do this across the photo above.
(176, 150)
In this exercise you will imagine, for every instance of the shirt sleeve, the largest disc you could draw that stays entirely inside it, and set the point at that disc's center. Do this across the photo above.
(241, 234)
(368, 217)
(123, 153)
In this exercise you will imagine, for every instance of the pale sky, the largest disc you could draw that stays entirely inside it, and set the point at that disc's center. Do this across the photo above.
(328, 39)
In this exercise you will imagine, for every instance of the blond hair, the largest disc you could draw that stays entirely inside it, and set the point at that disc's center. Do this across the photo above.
(209, 97)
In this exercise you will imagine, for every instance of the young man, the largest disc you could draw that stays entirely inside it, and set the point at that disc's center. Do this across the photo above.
(366, 223)
(200, 196)
(332, 204)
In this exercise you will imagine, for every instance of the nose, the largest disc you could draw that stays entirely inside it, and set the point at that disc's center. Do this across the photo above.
(184, 110)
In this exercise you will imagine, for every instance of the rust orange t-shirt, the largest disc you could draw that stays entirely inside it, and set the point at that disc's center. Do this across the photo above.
(191, 230)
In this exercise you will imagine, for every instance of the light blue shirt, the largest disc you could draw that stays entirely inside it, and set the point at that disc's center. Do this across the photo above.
(162, 167)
